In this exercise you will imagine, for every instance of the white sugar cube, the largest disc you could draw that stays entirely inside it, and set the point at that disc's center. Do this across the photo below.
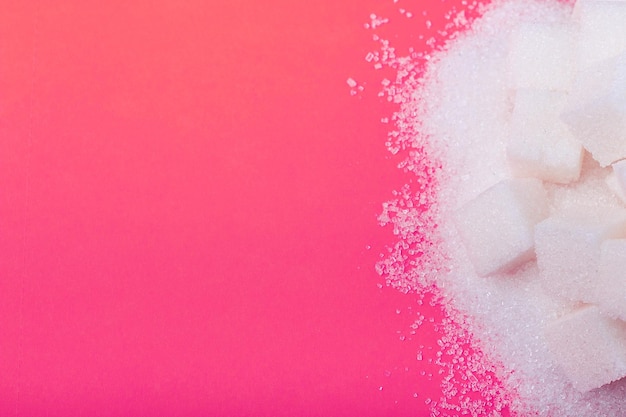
(575, 16)
(602, 30)
(615, 187)
(497, 226)
(611, 290)
(616, 180)
(619, 169)
(596, 110)
(540, 144)
(542, 56)
(590, 349)
(568, 250)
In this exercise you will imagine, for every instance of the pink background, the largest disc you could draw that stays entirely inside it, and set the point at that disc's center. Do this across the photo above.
(187, 191)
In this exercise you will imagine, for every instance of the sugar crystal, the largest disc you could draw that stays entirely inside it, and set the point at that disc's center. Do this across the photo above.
(503, 339)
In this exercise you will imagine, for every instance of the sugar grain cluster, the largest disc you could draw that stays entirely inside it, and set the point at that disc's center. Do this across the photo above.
(516, 132)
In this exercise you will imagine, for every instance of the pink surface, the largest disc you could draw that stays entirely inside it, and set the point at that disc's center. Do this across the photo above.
(187, 191)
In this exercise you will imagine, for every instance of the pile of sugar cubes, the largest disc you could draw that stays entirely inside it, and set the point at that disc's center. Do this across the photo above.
(567, 121)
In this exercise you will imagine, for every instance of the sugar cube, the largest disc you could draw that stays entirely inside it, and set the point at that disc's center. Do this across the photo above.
(614, 185)
(611, 290)
(616, 180)
(497, 226)
(542, 56)
(596, 110)
(602, 30)
(619, 169)
(540, 144)
(590, 349)
(568, 250)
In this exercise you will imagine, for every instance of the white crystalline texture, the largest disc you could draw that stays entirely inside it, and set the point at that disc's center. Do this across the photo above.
(611, 291)
(616, 180)
(615, 187)
(568, 251)
(589, 348)
(542, 56)
(524, 92)
(619, 169)
(540, 144)
(596, 110)
(602, 30)
(497, 226)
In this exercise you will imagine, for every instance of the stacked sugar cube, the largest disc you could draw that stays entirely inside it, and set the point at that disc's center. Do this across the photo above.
(568, 88)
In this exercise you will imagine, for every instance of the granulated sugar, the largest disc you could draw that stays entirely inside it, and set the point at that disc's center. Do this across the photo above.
(538, 329)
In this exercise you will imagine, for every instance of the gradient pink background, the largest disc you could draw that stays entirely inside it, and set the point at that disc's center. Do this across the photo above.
(187, 191)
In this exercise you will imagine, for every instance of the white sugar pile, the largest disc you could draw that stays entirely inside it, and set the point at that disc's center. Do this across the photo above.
(515, 216)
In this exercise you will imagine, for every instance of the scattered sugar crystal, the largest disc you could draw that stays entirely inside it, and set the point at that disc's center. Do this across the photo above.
(376, 21)
(590, 349)
(452, 132)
